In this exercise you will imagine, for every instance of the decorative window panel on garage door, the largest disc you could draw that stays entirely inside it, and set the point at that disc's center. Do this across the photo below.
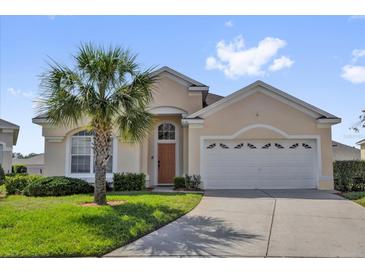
(259, 164)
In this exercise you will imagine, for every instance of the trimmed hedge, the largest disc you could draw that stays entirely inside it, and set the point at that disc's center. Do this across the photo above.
(58, 186)
(193, 182)
(16, 184)
(19, 169)
(189, 182)
(179, 182)
(349, 175)
(129, 181)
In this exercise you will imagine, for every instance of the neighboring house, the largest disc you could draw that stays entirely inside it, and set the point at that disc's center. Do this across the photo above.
(342, 152)
(34, 164)
(257, 137)
(8, 137)
(361, 143)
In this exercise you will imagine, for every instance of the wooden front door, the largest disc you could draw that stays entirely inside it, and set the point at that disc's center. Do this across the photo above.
(166, 163)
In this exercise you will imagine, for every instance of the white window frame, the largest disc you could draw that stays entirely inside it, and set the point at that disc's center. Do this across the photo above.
(91, 175)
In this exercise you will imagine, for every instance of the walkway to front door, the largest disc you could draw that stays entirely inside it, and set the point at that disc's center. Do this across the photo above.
(166, 163)
(255, 223)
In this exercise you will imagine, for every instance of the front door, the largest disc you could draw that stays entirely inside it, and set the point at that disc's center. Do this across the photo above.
(166, 163)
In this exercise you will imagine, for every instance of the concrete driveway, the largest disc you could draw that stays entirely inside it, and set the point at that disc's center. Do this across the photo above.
(260, 223)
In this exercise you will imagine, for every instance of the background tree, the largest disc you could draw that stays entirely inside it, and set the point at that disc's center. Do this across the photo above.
(108, 87)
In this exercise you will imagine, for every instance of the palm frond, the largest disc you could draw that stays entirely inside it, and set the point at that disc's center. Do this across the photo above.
(134, 126)
(59, 100)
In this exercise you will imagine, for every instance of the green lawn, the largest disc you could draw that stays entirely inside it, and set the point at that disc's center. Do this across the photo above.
(60, 226)
(358, 197)
(2, 191)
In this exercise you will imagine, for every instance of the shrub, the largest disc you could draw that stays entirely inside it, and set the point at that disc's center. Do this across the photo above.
(2, 191)
(2, 175)
(15, 184)
(193, 182)
(129, 181)
(19, 169)
(179, 182)
(58, 186)
(349, 175)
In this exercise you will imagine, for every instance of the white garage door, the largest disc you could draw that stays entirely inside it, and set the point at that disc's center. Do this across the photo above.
(259, 164)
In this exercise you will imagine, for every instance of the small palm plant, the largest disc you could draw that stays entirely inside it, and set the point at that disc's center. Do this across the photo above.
(109, 88)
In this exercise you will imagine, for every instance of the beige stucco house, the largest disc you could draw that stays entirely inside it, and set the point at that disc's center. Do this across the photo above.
(8, 137)
(257, 137)
(34, 164)
(342, 152)
(361, 143)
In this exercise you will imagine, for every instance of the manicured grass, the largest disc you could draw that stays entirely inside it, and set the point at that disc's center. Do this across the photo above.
(2, 191)
(358, 197)
(61, 227)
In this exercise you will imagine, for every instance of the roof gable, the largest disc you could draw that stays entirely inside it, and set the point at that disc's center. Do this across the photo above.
(280, 95)
(12, 128)
(179, 76)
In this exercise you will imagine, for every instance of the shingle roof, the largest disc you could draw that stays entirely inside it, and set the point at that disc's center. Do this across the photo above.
(212, 98)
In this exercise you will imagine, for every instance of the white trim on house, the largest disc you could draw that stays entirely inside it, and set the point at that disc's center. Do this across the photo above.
(186, 122)
(167, 110)
(361, 142)
(268, 90)
(198, 88)
(155, 150)
(329, 121)
(39, 121)
(178, 75)
(285, 135)
(54, 139)
(88, 176)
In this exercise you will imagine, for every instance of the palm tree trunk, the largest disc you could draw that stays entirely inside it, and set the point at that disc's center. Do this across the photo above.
(101, 149)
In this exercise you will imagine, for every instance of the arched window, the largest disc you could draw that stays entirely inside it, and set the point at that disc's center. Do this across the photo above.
(82, 153)
(166, 131)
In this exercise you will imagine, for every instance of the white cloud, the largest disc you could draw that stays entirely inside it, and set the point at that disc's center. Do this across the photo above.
(18, 92)
(234, 59)
(358, 53)
(354, 74)
(280, 63)
(229, 24)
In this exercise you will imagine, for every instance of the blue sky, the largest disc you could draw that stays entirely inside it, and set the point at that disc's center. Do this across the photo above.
(319, 59)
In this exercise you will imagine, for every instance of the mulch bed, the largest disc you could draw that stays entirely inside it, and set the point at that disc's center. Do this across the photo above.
(110, 203)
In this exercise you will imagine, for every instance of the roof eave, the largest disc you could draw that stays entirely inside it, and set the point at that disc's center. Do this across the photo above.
(193, 82)
(285, 95)
(331, 121)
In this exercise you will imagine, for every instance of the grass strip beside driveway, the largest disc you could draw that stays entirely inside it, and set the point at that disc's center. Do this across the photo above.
(357, 197)
(61, 227)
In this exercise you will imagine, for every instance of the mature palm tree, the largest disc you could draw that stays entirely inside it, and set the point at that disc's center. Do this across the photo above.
(108, 87)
